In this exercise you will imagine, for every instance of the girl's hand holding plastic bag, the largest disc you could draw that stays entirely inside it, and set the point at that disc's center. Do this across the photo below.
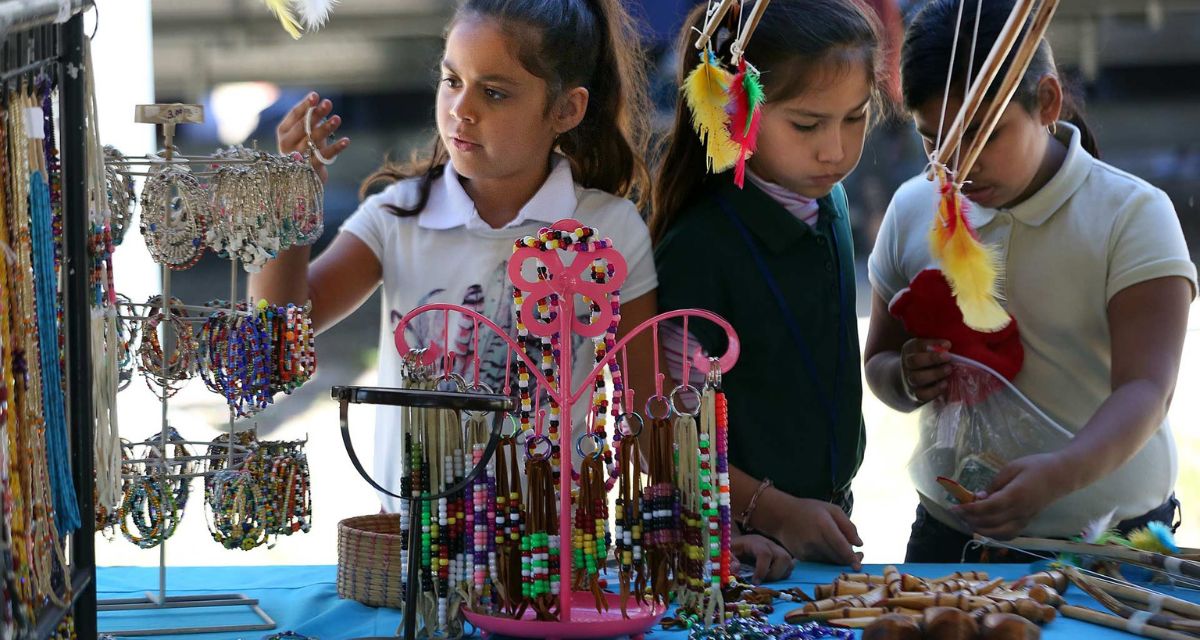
(1022, 489)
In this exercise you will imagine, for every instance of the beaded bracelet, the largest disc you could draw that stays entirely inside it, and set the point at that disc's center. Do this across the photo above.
(173, 218)
(182, 362)
(748, 512)
(120, 194)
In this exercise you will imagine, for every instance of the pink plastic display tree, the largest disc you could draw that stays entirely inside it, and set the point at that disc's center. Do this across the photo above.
(577, 615)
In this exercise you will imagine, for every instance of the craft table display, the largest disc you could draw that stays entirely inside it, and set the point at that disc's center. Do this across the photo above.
(518, 544)
(305, 599)
(246, 206)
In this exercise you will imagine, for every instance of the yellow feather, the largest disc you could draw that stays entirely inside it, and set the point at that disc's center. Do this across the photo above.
(972, 269)
(283, 11)
(704, 91)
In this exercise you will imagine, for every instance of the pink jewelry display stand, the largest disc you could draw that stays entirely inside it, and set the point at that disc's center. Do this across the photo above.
(578, 617)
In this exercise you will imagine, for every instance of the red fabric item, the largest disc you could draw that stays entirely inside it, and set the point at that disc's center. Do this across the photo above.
(928, 310)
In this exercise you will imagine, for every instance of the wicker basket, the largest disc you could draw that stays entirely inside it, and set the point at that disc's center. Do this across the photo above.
(369, 560)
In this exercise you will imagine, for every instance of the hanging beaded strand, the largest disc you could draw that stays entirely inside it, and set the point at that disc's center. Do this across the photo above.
(46, 551)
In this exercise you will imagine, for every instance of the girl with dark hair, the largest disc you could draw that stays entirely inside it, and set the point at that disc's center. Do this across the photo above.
(776, 260)
(540, 116)
(1098, 279)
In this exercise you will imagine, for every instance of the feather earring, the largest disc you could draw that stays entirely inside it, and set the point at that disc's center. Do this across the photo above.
(972, 268)
(745, 103)
(705, 93)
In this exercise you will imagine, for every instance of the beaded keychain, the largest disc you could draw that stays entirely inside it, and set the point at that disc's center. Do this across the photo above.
(509, 526)
(540, 544)
(691, 477)
(590, 544)
(630, 554)
(661, 514)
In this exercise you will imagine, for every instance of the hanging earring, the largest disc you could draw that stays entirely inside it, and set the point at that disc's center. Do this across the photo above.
(1053, 128)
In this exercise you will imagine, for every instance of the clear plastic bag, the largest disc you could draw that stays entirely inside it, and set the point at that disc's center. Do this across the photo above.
(979, 425)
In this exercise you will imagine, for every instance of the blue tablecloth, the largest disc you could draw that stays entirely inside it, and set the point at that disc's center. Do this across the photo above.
(304, 599)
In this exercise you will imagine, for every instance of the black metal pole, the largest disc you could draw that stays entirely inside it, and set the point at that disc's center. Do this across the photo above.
(77, 314)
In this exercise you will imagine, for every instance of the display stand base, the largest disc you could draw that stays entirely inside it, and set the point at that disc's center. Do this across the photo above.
(151, 601)
(585, 622)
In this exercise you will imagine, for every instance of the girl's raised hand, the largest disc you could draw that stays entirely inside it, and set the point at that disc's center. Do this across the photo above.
(924, 367)
(292, 133)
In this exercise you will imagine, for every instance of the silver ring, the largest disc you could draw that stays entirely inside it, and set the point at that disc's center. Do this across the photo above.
(472, 388)
(666, 402)
(675, 394)
(460, 383)
(714, 373)
(629, 433)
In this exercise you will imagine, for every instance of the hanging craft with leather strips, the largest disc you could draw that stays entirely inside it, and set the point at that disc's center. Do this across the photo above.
(973, 269)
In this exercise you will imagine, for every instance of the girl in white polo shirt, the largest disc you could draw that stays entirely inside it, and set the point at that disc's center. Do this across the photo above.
(540, 116)
(1098, 278)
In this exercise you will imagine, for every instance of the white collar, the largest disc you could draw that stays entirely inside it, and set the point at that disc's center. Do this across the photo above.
(1038, 208)
(449, 206)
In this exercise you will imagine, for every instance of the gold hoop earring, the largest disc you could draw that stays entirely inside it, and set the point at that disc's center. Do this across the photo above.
(1053, 128)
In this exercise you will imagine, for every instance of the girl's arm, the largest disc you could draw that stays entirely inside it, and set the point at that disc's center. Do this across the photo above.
(902, 371)
(809, 529)
(346, 273)
(640, 350)
(337, 282)
(1148, 322)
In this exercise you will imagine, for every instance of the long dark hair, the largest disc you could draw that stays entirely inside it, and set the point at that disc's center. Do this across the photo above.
(793, 45)
(925, 58)
(578, 43)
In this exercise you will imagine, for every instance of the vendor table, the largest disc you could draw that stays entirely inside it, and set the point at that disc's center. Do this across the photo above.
(304, 599)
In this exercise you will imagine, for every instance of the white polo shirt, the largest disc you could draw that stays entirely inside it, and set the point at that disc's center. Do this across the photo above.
(1090, 232)
(448, 254)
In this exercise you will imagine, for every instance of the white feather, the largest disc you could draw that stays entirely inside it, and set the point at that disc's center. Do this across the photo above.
(314, 13)
(1098, 527)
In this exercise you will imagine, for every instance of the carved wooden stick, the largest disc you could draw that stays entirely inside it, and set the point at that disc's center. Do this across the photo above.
(1008, 87)
(987, 74)
(712, 22)
(798, 615)
(1115, 622)
(1149, 598)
